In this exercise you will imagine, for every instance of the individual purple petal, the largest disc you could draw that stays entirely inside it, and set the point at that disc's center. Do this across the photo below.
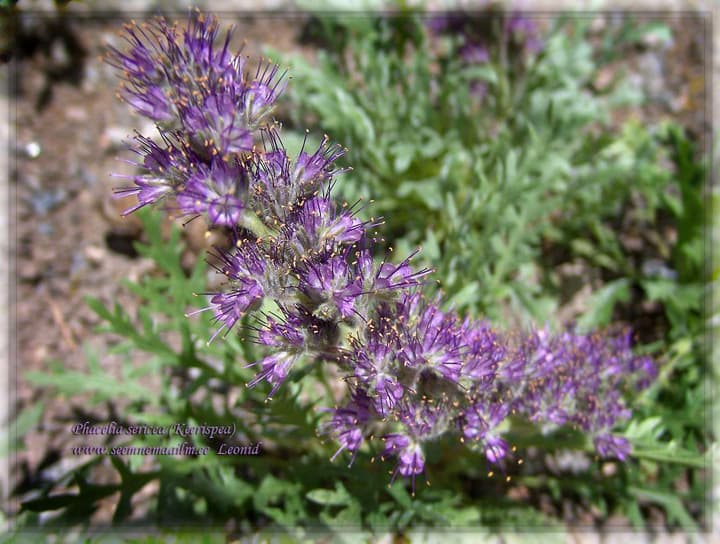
(347, 424)
(394, 443)
(151, 102)
(608, 445)
(495, 448)
(262, 92)
(275, 369)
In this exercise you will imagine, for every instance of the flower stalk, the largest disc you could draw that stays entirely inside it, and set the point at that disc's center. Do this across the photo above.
(414, 371)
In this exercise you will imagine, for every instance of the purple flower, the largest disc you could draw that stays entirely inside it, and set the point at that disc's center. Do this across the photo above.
(245, 267)
(390, 276)
(275, 369)
(518, 23)
(483, 353)
(525, 31)
(218, 190)
(281, 186)
(166, 169)
(151, 102)
(311, 171)
(495, 448)
(288, 343)
(608, 445)
(411, 461)
(449, 23)
(387, 280)
(143, 67)
(376, 367)
(480, 417)
(318, 228)
(260, 95)
(474, 53)
(347, 425)
(431, 341)
(409, 454)
(217, 65)
(216, 126)
(415, 371)
(573, 379)
(189, 82)
(330, 288)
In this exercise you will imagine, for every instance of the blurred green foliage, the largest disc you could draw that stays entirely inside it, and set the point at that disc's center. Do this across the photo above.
(488, 186)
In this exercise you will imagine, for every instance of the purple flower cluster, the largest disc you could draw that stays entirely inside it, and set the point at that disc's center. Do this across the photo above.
(419, 372)
(473, 31)
(415, 371)
(208, 109)
(473, 37)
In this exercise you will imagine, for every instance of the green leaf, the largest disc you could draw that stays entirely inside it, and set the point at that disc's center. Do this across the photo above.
(72, 383)
(602, 304)
(425, 191)
(400, 494)
(670, 501)
(404, 154)
(352, 111)
(466, 296)
(647, 429)
(337, 497)
(26, 420)
(668, 453)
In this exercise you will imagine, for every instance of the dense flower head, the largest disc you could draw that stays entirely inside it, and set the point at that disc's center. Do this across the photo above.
(216, 126)
(208, 109)
(472, 30)
(218, 190)
(174, 79)
(319, 226)
(282, 185)
(165, 169)
(415, 370)
(472, 34)
(577, 379)
(404, 365)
